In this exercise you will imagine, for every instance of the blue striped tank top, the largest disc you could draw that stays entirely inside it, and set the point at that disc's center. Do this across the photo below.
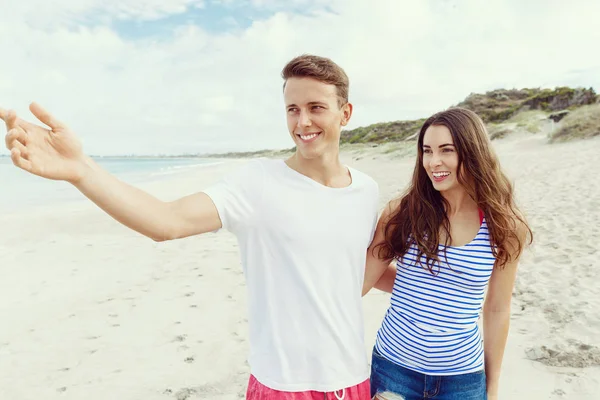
(431, 324)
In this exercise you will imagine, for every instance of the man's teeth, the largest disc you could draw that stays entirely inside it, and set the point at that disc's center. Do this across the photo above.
(441, 174)
(308, 137)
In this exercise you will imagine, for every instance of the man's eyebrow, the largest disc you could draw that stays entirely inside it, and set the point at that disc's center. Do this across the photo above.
(310, 103)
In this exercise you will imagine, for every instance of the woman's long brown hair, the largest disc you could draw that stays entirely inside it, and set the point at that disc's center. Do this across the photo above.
(421, 214)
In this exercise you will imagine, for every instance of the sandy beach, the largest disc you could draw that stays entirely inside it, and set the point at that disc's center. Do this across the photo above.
(92, 310)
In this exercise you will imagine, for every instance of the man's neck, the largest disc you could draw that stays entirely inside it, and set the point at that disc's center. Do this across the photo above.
(327, 170)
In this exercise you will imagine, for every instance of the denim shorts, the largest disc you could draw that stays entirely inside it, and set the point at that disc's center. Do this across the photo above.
(390, 381)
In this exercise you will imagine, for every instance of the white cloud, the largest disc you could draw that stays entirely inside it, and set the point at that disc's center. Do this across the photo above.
(59, 12)
(150, 9)
(198, 91)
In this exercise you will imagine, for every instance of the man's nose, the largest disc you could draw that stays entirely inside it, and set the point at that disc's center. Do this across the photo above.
(304, 119)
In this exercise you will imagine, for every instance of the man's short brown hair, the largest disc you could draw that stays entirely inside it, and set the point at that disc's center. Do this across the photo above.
(319, 68)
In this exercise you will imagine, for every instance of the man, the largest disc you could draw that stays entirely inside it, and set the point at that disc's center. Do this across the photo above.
(303, 226)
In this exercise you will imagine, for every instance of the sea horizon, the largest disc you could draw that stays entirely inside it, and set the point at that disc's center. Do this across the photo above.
(21, 189)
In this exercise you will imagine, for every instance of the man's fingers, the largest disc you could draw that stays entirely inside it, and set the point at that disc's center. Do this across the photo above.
(24, 153)
(19, 161)
(5, 114)
(44, 116)
(16, 134)
(10, 118)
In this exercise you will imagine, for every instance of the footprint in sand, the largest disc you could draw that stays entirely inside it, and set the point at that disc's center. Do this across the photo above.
(185, 393)
(577, 355)
(207, 391)
(180, 338)
(558, 316)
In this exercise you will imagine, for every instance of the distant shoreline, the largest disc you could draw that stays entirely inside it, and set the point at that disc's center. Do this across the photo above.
(227, 155)
(147, 156)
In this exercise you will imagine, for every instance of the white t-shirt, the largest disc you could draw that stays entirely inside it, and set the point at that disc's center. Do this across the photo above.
(303, 249)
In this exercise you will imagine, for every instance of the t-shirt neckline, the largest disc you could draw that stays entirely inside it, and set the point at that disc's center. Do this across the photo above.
(318, 184)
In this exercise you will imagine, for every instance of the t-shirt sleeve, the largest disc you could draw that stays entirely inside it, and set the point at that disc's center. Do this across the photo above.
(375, 200)
(237, 195)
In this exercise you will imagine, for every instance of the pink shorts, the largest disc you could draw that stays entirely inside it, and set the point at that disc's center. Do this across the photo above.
(258, 391)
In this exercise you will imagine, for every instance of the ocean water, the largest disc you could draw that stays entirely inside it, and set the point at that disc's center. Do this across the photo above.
(19, 189)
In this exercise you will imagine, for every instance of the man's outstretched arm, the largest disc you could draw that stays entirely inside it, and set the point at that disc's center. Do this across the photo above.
(57, 154)
(144, 213)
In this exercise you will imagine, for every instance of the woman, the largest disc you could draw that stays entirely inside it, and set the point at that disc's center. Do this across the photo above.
(455, 233)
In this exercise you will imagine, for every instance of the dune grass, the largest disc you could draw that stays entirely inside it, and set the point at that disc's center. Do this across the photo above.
(582, 123)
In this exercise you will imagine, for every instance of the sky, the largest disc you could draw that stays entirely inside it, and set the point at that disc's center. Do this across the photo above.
(173, 77)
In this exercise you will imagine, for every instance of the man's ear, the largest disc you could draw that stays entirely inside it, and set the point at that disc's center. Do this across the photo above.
(346, 113)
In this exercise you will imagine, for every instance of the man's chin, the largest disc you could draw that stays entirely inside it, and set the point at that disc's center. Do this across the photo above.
(309, 154)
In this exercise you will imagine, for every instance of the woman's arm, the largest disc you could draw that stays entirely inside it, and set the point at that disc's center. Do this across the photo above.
(376, 268)
(496, 318)
(387, 279)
